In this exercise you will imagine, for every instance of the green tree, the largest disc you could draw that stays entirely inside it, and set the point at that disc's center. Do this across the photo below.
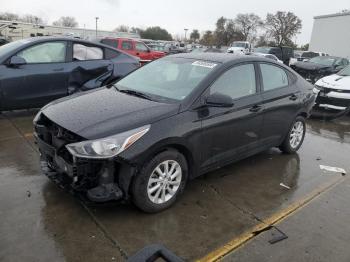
(282, 26)
(305, 47)
(156, 33)
(226, 32)
(248, 24)
(208, 38)
(195, 35)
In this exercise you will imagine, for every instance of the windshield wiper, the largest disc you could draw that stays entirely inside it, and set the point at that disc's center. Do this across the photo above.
(135, 93)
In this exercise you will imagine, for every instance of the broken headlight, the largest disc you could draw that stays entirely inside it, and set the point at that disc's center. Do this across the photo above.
(107, 147)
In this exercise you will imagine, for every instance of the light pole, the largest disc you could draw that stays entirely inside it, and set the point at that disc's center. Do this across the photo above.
(185, 33)
(96, 25)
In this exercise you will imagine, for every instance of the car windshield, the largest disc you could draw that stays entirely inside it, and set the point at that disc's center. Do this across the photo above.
(344, 72)
(264, 50)
(4, 49)
(238, 44)
(322, 60)
(169, 79)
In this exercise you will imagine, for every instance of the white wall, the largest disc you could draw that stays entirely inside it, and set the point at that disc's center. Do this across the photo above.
(18, 30)
(331, 35)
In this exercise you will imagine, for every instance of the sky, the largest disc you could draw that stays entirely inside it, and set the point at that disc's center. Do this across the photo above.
(171, 15)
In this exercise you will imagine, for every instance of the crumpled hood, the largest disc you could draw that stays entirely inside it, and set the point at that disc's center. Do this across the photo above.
(335, 81)
(310, 66)
(105, 112)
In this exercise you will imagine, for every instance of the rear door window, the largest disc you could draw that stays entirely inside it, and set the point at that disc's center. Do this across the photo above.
(83, 52)
(273, 77)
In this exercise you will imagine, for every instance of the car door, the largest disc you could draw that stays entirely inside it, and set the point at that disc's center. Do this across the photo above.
(281, 100)
(42, 79)
(89, 67)
(232, 133)
(143, 52)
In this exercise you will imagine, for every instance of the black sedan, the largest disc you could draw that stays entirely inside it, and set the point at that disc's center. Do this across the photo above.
(36, 71)
(320, 66)
(170, 121)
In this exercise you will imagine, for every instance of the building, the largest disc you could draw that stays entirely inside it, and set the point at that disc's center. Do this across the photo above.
(331, 34)
(12, 31)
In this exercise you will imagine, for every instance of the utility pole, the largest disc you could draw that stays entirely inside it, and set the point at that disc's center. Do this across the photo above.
(185, 33)
(96, 25)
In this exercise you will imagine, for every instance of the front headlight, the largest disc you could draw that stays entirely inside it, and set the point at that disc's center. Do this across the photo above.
(107, 147)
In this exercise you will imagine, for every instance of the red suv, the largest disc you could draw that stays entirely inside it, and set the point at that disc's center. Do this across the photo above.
(134, 47)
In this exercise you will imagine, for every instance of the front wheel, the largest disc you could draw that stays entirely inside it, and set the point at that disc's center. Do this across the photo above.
(295, 137)
(160, 182)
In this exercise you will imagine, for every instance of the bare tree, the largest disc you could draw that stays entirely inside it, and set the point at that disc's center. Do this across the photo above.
(7, 16)
(66, 21)
(248, 25)
(282, 26)
(32, 19)
(122, 28)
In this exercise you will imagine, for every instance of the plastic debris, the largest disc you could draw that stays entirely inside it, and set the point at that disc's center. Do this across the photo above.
(285, 186)
(333, 169)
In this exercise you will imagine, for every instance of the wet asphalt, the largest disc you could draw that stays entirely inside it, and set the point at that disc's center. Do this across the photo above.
(39, 222)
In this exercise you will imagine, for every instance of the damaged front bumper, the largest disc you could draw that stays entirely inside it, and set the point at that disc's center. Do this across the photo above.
(96, 180)
(332, 99)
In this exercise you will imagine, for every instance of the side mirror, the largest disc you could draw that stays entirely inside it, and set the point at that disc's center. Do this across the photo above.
(148, 50)
(219, 100)
(16, 61)
(338, 67)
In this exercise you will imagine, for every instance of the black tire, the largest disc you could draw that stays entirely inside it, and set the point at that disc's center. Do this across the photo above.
(286, 146)
(140, 184)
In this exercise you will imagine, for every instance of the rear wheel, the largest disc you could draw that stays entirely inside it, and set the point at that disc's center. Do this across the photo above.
(160, 182)
(295, 137)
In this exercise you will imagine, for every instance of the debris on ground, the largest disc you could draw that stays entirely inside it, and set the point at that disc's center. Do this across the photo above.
(285, 186)
(333, 169)
(29, 194)
(277, 235)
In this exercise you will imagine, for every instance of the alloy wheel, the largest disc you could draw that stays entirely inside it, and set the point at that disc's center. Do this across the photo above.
(164, 181)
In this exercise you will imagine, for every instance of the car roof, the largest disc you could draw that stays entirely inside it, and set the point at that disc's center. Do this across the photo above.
(219, 57)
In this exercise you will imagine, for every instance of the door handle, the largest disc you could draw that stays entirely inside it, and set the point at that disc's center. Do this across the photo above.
(293, 97)
(58, 69)
(255, 108)
(137, 53)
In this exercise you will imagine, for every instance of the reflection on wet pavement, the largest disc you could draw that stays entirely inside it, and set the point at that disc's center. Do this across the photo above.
(40, 222)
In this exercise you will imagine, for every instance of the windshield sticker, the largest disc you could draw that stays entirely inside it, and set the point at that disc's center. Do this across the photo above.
(204, 64)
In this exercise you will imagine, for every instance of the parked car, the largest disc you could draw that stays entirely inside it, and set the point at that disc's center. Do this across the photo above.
(302, 56)
(3, 41)
(240, 47)
(320, 66)
(273, 57)
(135, 48)
(36, 71)
(283, 53)
(334, 91)
(169, 121)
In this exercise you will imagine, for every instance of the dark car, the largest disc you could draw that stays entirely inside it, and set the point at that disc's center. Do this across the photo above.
(283, 53)
(36, 71)
(170, 121)
(3, 41)
(320, 66)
